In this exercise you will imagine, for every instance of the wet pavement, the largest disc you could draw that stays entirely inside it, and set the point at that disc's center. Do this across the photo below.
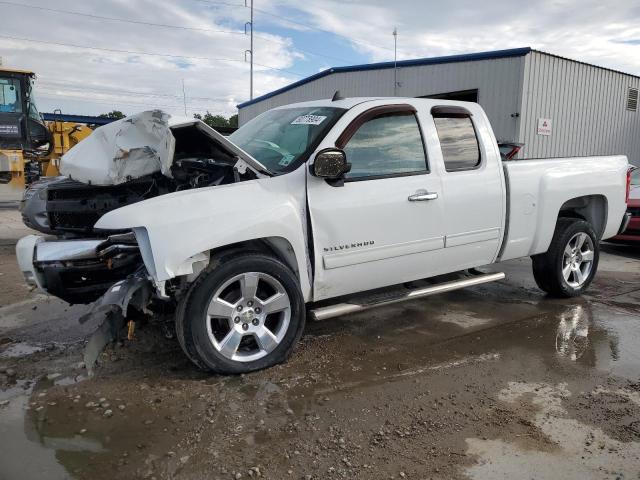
(497, 381)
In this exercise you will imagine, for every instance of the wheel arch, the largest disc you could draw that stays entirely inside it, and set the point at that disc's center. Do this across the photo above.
(279, 247)
(591, 208)
(275, 246)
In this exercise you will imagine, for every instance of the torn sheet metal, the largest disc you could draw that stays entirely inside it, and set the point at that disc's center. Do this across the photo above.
(134, 291)
(123, 150)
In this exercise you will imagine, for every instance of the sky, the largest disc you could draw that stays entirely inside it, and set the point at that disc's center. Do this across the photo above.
(131, 55)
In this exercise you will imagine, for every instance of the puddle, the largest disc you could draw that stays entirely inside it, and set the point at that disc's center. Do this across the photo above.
(28, 452)
(432, 370)
(581, 451)
(17, 350)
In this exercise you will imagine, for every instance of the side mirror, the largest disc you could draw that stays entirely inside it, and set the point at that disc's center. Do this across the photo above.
(330, 164)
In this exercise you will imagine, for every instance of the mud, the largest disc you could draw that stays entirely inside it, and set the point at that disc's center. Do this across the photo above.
(496, 381)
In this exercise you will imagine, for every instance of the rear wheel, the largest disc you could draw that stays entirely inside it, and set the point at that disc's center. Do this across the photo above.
(568, 267)
(245, 314)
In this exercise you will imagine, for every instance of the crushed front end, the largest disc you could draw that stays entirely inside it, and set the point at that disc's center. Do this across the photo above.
(109, 272)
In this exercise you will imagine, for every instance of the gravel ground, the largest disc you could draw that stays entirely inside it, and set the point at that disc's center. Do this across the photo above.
(496, 381)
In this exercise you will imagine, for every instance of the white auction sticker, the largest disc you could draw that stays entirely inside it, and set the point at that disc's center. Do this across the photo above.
(308, 120)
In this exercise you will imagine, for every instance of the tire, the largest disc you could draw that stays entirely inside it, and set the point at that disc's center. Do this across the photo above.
(225, 328)
(550, 268)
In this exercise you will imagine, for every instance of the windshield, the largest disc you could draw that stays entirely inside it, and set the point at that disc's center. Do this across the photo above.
(279, 138)
(635, 177)
(10, 95)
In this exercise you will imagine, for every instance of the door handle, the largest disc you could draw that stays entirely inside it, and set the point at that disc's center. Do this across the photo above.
(422, 196)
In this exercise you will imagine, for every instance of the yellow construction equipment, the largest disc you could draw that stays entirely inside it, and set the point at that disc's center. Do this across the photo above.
(29, 146)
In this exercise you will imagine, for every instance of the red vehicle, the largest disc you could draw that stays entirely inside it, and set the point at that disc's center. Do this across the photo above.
(632, 232)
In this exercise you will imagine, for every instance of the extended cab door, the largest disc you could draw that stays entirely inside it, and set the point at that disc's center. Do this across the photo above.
(468, 159)
(384, 225)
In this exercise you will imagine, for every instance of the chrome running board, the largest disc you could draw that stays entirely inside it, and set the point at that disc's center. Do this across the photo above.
(339, 309)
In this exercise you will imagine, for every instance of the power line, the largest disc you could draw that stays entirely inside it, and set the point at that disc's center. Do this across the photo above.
(115, 104)
(77, 88)
(307, 25)
(133, 52)
(162, 25)
(116, 19)
(310, 52)
(83, 92)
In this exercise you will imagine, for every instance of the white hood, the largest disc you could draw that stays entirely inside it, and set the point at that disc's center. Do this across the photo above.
(122, 150)
(136, 146)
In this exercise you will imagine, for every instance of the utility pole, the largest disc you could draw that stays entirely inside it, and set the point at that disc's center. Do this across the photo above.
(184, 98)
(395, 61)
(250, 51)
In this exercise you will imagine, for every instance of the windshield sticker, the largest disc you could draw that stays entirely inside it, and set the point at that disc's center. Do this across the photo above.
(286, 160)
(309, 120)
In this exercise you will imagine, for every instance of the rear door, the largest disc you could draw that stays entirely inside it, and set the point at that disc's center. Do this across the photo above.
(473, 185)
(384, 225)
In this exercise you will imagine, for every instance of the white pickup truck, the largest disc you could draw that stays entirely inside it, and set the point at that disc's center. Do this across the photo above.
(317, 209)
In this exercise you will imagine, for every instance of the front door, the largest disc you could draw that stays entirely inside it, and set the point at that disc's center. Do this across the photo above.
(385, 224)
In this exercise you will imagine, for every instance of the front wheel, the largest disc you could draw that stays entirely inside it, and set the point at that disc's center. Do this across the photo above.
(245, 314)
(568, 267)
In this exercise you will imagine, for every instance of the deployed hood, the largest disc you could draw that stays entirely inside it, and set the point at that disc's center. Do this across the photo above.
(136, 146)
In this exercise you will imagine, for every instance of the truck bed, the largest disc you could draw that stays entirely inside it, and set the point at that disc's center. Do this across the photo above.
(538, 189)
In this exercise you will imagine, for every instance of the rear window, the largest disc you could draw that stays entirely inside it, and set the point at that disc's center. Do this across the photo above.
(458, 141)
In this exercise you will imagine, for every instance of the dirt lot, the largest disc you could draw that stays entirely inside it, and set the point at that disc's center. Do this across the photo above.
(491, 382)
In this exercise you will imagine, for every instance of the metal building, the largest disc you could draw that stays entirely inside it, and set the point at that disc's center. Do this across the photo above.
(554, 105)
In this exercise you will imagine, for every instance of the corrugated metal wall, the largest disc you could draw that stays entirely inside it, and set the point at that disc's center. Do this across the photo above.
(497, 80)
(587, 106)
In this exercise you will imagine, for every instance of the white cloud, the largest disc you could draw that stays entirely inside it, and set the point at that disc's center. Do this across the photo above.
(79, 80)
(93, 81)
(587, 30)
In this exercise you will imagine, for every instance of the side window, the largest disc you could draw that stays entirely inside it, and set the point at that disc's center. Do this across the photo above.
(458, 141)
(390, 144)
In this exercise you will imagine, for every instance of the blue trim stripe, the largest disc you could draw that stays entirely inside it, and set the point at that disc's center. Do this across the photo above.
(467, 57)
(65, 117)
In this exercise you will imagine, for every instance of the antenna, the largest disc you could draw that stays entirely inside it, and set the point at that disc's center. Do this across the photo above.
(337, 96)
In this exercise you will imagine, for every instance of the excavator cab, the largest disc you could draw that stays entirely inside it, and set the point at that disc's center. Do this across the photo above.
(23, 134)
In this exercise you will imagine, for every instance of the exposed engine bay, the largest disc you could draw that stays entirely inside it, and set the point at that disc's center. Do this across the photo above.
(69, 208)
(80, 264)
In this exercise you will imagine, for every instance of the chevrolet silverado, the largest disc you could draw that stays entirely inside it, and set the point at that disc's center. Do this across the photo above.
(315, 209)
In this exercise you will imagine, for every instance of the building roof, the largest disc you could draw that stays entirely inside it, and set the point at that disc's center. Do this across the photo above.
(467, 57)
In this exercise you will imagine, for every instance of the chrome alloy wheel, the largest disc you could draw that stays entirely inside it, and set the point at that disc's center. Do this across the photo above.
(577, 260)
(248, 316)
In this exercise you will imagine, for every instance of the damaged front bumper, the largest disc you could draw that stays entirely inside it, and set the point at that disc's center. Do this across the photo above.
(77, 271)
(83, 271)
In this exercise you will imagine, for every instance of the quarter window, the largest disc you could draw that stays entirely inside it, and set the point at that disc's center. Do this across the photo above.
(390, 144)
(458, 142)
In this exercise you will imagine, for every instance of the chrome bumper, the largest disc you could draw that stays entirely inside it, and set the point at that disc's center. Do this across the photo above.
(77, 271)
(25, 252)
(33, 248)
